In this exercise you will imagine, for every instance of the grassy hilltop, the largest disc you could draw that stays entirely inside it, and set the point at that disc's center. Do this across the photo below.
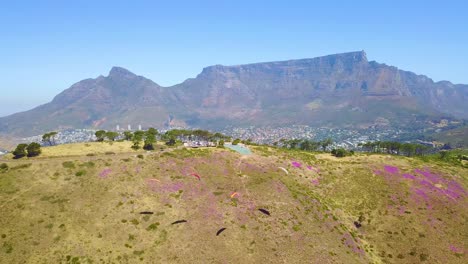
(81, 203)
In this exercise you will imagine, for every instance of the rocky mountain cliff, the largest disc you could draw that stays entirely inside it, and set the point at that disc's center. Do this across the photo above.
(336, 90)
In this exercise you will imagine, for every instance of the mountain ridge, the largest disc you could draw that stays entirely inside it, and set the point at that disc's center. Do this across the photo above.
(340, 89)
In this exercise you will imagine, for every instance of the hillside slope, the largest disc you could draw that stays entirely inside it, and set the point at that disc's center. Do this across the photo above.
(87, 208)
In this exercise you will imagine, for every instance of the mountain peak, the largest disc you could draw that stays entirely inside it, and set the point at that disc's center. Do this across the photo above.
(121, 73)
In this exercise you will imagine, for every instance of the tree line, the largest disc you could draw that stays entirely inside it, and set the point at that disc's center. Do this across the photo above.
(304, 144)
(389, 147)
(150, 137)
(397, 148)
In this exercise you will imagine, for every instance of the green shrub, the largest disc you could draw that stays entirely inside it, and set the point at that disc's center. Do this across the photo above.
(153, 226)
(171, 142)
(80, 173)
(20, 151)
(68, 164)
(88, 164)
(34, 149)
(341, 152)
(135, 147)
(3, 167)
(140, 156)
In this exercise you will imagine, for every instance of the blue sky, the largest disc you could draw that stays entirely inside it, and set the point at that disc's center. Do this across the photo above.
(46, 46)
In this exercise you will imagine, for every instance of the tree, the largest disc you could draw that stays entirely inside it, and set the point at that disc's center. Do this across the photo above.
(34, 149)
(152, 131)
(221, 144)
(236, 141)
(325, 143)
(408, 149)
(293, 143)
(100, 135)
(171, 142)
(49, 138)
(339, 153)
(137, 138)
(111, 135)
(150, 139)
(128, 135)
(20, 151)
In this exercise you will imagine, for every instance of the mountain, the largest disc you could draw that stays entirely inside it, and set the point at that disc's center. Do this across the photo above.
(341, 90)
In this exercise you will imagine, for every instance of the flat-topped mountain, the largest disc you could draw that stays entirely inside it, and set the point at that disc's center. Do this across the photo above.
(341, 90)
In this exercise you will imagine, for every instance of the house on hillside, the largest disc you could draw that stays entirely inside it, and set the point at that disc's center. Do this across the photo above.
(198, 144)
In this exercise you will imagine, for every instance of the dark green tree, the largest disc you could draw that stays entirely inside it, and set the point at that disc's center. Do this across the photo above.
(236, 141)
(341, 152)
(171, 142)
(150, 139)
(325, 143)
(137, 138)
(128, 135)
(152, 131)
(221, 143)
(20, 151)
(49, 138)
(111, 135)
(34, 149)
(100, 135)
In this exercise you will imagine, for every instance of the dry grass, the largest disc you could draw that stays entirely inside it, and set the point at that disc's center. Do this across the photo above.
(80, 149)
(80, 208)
(88, 149)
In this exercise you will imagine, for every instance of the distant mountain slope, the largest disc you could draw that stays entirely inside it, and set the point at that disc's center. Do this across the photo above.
(338, 90)
(93, 103)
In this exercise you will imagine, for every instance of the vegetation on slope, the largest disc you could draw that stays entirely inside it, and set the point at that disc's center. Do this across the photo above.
(356, 209)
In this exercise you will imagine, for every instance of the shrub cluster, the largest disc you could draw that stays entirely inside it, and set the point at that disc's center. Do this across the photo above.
(341, 152)
(3, 167)
(31, 150)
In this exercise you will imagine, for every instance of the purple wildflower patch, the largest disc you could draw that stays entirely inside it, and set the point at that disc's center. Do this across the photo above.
(391, 169)
(426, 187)
(296, 164)
(457, 250)
(350, 243)
(104, 173)
(315, 182)
(408, 176)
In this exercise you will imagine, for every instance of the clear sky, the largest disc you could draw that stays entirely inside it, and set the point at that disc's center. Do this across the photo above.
(46, 46)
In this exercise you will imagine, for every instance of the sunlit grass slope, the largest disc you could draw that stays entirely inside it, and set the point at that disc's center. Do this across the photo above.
(86, 209)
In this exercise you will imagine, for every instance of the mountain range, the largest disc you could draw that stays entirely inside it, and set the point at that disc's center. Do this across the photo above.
(341, 90)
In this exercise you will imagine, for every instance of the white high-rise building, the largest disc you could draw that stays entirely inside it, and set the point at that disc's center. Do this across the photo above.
(139, 127)
(117, 128)
(129, 127)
